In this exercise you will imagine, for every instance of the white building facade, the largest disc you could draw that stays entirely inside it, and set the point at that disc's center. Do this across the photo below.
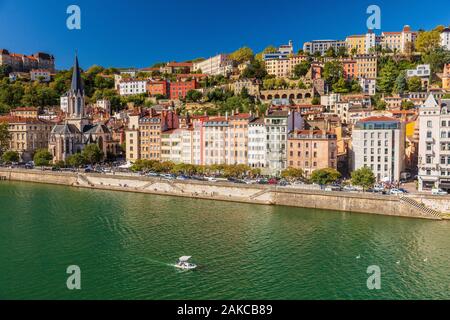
(217, 65)
(445, 38)
(379, 144)
(434, 144)
(131, 87)
(257, 144)
(278, 124)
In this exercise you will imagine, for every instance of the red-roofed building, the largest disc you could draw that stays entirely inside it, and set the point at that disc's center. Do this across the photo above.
(179, 89)
(158, 88)
(177, 67)
(311, 150)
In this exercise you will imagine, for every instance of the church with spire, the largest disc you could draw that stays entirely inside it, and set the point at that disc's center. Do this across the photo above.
(76, 130)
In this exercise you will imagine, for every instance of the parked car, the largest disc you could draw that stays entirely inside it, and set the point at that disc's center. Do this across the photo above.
(153, 174)
(349, 189)
(438, 192)
(273, 181)
(396, 191)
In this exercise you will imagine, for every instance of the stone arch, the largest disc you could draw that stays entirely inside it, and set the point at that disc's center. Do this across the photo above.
(277, 96)
(299, 96)
(284, 96)
(307, 95)
(292, 96)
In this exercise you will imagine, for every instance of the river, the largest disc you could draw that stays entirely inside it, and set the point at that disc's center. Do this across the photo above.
(125, 245)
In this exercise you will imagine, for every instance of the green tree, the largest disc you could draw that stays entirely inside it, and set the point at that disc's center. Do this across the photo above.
(341, 86)
(363, 177)
(414, 84)
(10, 156)
(342, 52)
(333, 71)
(301, 69)
(242, 54)
(407, 105)
(436, 58)
(387, 77)
(401, 84)
(315, 101)
(92, 154)
(76, 160)
(42, 157)
(428, 41)
(292, 174)
(330, 53)
(325, 176)
(5, 137)
(193, 96)
(256, 69)
(5, 70)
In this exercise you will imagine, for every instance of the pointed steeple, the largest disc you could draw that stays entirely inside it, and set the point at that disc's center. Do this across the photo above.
(431, 102)
(77, 82)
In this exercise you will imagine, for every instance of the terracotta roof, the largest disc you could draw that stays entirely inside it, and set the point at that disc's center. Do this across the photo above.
(25, 109)
(378, 119)
(180, 64)
(11, 119)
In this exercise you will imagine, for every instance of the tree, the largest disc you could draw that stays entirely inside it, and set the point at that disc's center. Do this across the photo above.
(256, 69)
(301, 69)
(292, 174)
(241, 55)
(10, 156)
(92, 154)
(436, 58)
(76, 160)
(363, 177)
(342, 52)
(428, 41)
(193, 96)
(387, 77)
(42, 157)
(341, 86)
(315, 101)
(407, 105)
(414, 84)
(330, 53)
(332, 72)
(5, 70)
(5, 137)
(325, 176)
(401, 84)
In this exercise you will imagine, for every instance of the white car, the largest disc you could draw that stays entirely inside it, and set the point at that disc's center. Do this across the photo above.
(439, 192)
(396, 191)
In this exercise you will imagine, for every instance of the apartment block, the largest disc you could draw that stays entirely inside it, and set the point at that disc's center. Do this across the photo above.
(214, 66)
(434, 144)
(321, 46)
(379, 144)
(311, 150)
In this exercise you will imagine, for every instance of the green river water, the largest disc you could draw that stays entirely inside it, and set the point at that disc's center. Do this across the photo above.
(125, 245)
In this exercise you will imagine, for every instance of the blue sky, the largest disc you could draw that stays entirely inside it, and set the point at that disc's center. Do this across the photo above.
(138, 33)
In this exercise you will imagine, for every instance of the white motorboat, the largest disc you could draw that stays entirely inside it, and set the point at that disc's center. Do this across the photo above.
(183, 263)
